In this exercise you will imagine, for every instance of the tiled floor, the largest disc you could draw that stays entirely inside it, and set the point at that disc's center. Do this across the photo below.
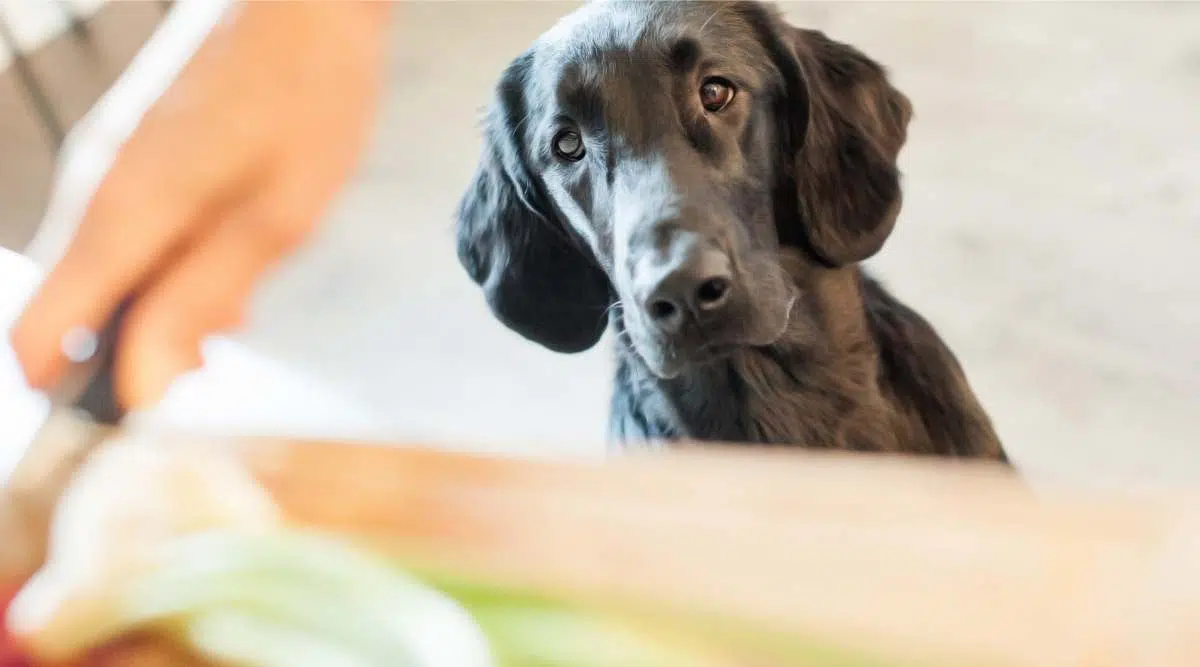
(1051, 231)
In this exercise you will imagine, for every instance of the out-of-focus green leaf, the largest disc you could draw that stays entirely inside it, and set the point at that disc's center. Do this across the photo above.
(303, 599)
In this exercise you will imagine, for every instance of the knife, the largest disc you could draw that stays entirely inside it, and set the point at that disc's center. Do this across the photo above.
(84, 411)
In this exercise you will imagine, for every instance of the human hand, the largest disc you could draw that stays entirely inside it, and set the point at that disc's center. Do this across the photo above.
(227, 172)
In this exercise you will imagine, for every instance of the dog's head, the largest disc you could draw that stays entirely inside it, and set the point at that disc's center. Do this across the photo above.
(658, 155)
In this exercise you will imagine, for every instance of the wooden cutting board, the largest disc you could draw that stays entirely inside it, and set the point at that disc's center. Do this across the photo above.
(945, 563)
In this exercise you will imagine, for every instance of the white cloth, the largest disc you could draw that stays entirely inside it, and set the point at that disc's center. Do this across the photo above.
(237, 391)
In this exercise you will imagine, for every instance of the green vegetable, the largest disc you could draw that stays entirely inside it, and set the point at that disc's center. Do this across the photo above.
(713, 640)
(209, 587)
(291, 599)
(245, 638)
(303, 599)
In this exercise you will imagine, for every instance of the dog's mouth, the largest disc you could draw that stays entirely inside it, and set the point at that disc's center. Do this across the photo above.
(668, 359)
(669, 363)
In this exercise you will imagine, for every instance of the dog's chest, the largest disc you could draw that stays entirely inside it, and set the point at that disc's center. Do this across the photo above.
(754, 398)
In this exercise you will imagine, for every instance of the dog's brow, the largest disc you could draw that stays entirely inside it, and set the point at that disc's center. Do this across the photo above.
(683, 54)
(582, 102)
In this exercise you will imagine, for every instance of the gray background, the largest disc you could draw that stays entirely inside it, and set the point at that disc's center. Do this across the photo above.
(1050, 229)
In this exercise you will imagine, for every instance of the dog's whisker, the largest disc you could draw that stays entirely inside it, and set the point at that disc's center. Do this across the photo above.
(720, 8)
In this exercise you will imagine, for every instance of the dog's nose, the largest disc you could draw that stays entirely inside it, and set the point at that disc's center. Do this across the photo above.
(696, 286)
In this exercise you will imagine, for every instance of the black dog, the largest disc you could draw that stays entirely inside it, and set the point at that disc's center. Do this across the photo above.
(704, 179)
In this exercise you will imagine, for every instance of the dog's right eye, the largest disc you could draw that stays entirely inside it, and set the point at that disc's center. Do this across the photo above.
(568, 145)
(716, 94)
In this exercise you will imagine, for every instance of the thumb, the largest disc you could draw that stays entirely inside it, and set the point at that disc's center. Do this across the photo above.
(203, 292)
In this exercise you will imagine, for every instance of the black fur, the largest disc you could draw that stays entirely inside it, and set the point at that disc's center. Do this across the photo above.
(538, 280)
(798, 182)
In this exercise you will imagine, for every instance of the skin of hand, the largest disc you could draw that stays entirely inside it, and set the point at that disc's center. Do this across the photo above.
(229, 169)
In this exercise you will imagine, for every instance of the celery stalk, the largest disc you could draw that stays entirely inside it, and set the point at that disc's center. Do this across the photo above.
(309, 583)
(291, 598)
(243, 638)
(222, 587)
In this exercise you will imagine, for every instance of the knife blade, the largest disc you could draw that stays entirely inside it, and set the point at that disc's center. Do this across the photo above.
(84, 412)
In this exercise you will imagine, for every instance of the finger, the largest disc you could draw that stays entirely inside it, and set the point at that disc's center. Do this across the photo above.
(131, 224)
(101, 263)
(204, 292)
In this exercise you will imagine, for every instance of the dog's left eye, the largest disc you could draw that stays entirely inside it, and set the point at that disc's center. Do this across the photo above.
(716, 94)
(568, 145)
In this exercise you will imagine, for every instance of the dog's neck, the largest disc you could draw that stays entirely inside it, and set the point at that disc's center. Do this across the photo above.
(816, 380)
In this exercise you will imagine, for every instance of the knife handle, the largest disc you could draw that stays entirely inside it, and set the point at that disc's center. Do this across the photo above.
(89, 379)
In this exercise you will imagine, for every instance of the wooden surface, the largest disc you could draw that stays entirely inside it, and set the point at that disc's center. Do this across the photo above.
(949, 564)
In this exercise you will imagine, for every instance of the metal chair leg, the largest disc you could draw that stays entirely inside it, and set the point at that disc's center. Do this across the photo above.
(37, 95)
(79, 24)
(44, 108)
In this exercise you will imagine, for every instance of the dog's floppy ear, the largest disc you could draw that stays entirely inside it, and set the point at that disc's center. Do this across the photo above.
(537, 279)
(848, 125)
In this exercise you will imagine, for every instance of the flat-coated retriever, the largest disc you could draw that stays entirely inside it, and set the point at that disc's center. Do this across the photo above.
(704, 179)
